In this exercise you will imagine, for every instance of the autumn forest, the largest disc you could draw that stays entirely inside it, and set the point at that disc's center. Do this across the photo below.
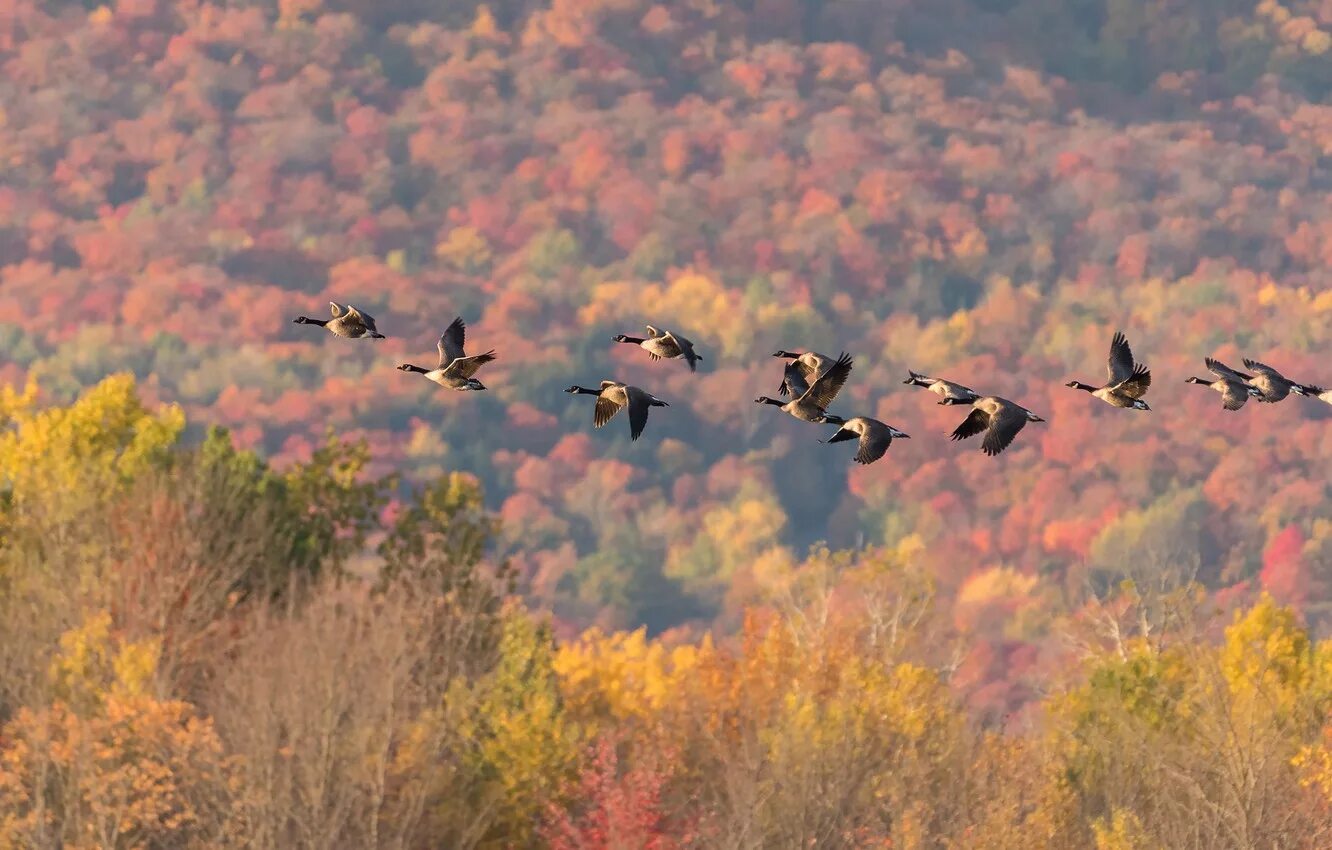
(260, 589)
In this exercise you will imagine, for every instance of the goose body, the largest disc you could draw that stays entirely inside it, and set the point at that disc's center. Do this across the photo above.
(949, 392)
(998, 418)
(1233, 386)
(803, 370)
(875, 437)
(1126, 381)
(349, 323)
(664, 345)
(613, 396)
(1273, 385)
(455, 370)
(811, 405)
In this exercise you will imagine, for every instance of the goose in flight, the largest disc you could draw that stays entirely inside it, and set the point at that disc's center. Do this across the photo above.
(1273, 385)
(1127, 382)
(948, 391)
(350, 323)
(613, 397)
(455, 369)
(1233, 386)
(875, 437)
(999, 419)
(664, 345)
(811, 405)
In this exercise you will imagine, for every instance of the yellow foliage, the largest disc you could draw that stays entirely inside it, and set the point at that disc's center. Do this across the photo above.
(621, 676)
(1267, 655)
(1123, 831)
(93, 662)
(995, 583)
(466, 249)
(63, 455)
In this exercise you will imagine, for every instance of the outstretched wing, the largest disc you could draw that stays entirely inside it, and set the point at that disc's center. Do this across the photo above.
(686, 348)
(1120, 364)
(873, 442)
(1262, 369)
(465, 367)
(1137, 384)
(794, 381)
(977, 421)
(364, 318)
(1221, 370)
(822, 391)
(335, 308)
(1004, 426)
(1234, 395)
(638, 403)
(450, 343)
(609, 403)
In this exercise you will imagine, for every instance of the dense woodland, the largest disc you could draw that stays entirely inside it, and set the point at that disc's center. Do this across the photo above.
(342, 608)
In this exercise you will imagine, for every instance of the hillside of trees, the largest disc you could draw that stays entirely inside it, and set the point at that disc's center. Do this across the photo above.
(982, 189)
(188, 661)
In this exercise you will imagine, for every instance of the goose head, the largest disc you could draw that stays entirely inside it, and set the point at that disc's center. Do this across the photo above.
(784, 353)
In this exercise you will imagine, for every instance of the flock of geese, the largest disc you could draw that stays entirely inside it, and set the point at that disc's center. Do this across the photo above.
(811, 381)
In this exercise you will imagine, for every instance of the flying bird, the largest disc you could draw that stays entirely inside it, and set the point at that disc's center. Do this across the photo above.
(948, 391)
(999, 418)
(350, 323)
(1233, 386)
(1127, 382)
(663, 345)
(811, 405)
(613, 397)
(1273, 385)
(455, 369)
(875, 437)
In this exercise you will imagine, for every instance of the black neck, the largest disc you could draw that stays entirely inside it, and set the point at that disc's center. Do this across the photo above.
(1079, 385)
(635, 340)
(772, 401)
(409, 367)
(586, 391)
(306, 320)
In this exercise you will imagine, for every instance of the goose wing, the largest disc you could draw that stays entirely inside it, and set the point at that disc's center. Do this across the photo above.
(1221, 370)
(1263, 369)
(638, 403)
(364, 318)
(874, 441)
(1120, 366)
(1004, 426)
(465, 367)
(794, 379)
(978, 420)
(1233, 394)
(451, 342)
(1137, 384)
(609, 403)
(685, 347)
(336, 309)
(823, 390)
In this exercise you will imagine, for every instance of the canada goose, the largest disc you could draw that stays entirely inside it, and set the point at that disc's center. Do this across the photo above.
(350, 323)
(803, 370)
(809, 405)
(1128, 381)
(948, 392)
(874, 436)
(1231, 384)
(999, 418)
(1273, 385)
(613, 397)
(455, 369)
(664, 345)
